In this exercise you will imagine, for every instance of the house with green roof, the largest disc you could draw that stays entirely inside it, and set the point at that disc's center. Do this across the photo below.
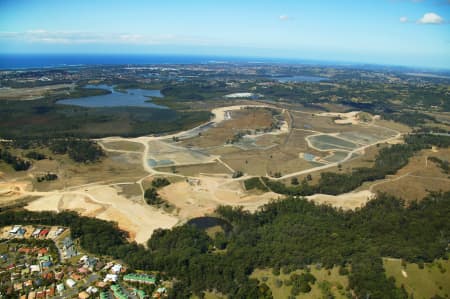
(118, 292)
(104, 295)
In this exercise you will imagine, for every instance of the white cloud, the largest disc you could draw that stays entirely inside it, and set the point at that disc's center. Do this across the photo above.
(79, 37)
(284, 17)
(431, 18)
(404, 20)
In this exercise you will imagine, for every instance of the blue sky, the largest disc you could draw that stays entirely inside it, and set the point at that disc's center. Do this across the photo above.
(401, 32)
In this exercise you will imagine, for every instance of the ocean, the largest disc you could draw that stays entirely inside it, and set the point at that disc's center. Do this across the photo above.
(24, 61)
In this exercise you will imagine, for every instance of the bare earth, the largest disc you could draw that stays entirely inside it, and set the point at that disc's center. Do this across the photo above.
(347, 201)
(103, 202)
(192, 195)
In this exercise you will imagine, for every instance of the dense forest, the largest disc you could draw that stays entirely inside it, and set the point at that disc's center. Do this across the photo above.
(387, 162)
(288, 234)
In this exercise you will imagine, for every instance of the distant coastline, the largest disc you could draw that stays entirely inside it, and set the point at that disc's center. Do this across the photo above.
(9, 61)
(31, 61)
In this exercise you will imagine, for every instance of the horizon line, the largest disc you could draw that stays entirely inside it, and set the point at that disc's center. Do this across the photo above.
(268, 59)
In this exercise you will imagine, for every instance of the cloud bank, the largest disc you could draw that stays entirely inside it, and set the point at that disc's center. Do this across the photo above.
(78, 37)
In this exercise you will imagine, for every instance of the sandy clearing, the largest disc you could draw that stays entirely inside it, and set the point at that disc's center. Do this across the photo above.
(346, 201)
(344, 118)
(144, 218)
(221, 112)
(105, 203)
(194, 199)
(45, 203)
(239, 95)
(13, 190)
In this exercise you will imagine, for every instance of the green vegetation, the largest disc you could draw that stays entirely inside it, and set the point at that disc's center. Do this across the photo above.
(444, 165)
(279, 235)
(44, 118)
(47, 177)
(152, 197)
(160, 182)
(412, 119)
(254, 183)
(388, 161)
(79, 150)
(35, 156)
(301, 283)
(17, 163)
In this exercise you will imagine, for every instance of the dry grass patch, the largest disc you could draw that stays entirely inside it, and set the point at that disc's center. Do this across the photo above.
(31, 93)
(417, 178)
(195, 170)
(114, 168)
(124, 146)
(241, 120)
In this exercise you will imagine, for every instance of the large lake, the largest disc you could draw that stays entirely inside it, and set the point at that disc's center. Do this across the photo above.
(301, 79)
(132, 97)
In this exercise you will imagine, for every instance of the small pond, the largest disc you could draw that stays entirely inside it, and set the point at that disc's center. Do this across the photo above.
(207, 222)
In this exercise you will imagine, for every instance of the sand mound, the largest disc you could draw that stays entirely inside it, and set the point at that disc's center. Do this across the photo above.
(346, 201)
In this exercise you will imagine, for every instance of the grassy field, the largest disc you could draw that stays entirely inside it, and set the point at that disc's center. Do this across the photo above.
(432, 280)
(114, 168)
(32, 93)
(195, 170)
(124, 146)
(131, 191)
(413, 181)
(259, 163)
(318, 123)
(366, 160)
(337, 283)
(242, 120)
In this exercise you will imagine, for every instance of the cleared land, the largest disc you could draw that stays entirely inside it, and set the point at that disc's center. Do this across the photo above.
(32, 93)
(105, 202)
(200, 196)
(123, 146)
(196, 170)
(200, 164)
(238, 120)
(346, 201)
